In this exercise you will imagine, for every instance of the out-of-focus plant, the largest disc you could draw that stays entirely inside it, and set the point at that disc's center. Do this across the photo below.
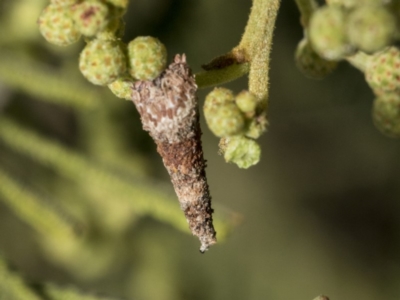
(360, 32)
(97, 192)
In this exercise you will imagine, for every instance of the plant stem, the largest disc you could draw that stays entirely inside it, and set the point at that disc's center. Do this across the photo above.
(34, 211)
(256, 45)
(12, 286)
(259, 28)
(215, 77)
(251, 55)
(49, 85)
(306, 7)
(359, 60)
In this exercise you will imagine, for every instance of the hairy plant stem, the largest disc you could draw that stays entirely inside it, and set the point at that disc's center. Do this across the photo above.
(256, 45)
(254, 48)
(259, 28)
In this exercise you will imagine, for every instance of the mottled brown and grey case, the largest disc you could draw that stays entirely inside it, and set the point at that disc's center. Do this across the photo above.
(169, 112)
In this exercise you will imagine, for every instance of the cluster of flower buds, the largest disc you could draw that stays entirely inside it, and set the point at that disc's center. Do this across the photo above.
(105, 60)
(348, 30)
(341, 28)
(238, 121)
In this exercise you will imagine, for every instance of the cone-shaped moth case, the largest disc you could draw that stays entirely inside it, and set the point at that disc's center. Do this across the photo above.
(169, 112)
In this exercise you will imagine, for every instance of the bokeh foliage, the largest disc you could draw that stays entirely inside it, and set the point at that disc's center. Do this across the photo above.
(319, 211)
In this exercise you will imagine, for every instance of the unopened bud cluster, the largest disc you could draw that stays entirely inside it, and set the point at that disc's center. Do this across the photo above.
(346, 29)
(310, 63)
(105, 60)
(386, 114)
(237, 120)
(341, 28)
(382, 73)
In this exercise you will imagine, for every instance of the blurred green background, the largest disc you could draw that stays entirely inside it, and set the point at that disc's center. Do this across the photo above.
(318, 214)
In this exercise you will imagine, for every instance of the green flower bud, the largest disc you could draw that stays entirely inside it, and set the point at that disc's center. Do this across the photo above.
(102, 62)
(310, 63)
(219, 96)
(386, 114)
(257, 127)
(328, 33)
(240, 150)
(90, 17)
(222, 115)
(122, 87)
(147, 57)
(57, 26)
(383, 70)
(246, 102)
(371, 28)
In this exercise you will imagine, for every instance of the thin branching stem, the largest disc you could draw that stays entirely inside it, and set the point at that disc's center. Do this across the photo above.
(50, 85)
(216, 77)
(359, 60)
(306, 7)
(251, 55)
(256, 45)
(41, 216)
(13, 286)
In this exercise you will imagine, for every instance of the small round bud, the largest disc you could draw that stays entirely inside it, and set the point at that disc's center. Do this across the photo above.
(222, 115)
(383, 70)
(102, 62)
(246, 101)
(57, 26)
(122, 87)
(219, 96)
(386, 114)
(242, 151)
(371, 28)
(90, 17)
(225, 120)
(257, 127)
(147, 57)
(310, 63)
(328, 33)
